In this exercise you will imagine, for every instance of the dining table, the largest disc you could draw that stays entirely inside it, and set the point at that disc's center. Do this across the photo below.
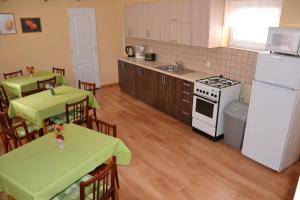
(41, 169)
(15, 86)
(38, 107)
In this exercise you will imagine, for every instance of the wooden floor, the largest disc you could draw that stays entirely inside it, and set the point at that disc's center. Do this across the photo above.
(171, 162)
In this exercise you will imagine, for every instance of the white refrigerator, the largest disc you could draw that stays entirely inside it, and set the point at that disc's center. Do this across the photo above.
(272, 135)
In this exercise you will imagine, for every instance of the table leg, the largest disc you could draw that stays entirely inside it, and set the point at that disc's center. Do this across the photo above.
(117, 192)
(45, 128)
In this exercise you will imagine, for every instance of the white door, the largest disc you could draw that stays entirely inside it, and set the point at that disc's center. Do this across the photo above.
(269, 117)
(82, 25)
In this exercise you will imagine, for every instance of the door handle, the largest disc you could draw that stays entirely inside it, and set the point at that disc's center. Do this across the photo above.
(165, 80)
(185, 101)
(162, 79)
(185, 113)
(187, 93)
(185, 84)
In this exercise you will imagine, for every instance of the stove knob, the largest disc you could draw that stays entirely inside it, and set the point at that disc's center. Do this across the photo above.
(212, 95)
(216, 95)
(207, 93)
(200, 90)
(197, 90)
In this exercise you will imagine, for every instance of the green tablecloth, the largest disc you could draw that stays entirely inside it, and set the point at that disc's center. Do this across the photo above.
(37, 107)
(15, 86)
(40, 169)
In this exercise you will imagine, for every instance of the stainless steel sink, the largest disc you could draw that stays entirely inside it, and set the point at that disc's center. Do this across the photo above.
(174, 69)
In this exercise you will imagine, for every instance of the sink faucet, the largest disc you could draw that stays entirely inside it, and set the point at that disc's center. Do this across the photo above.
(179, 64)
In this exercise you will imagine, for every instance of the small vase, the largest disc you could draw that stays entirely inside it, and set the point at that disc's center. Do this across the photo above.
(52, 92)
(61, 143)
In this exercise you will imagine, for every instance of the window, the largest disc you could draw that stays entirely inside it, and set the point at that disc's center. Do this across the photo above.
(249, 21)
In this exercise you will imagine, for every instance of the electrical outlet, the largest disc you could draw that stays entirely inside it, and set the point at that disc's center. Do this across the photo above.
(207, 64)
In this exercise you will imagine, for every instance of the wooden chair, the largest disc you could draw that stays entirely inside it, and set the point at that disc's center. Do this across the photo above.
(101, 186)
(107, 129)
(13, 74)
(15, 132)
(77, 113)
(4, 101)
(102, 127)
(58, 71)
(42, 84)
(89, 87)
(27, 93)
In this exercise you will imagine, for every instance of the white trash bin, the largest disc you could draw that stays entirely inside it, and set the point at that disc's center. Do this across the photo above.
(235, 117)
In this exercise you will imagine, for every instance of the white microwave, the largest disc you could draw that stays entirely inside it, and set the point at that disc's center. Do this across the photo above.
(284, 40)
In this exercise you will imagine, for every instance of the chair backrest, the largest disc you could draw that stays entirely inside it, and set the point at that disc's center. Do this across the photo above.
(30, 92)
(78, 111)
(13, 74)
(102, 184)
(42, 84)
(87, 86)
(3, 96)
(102, 127)
(58, 70)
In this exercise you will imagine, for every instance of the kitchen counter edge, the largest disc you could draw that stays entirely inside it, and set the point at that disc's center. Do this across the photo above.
(192, 77)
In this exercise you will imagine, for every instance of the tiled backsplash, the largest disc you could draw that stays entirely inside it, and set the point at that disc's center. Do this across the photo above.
(232, 63)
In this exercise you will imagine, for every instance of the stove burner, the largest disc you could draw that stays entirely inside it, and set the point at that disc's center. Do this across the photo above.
(218, 82)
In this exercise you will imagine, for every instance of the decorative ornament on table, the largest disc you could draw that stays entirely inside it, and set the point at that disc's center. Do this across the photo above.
(51, 89)
(60, 139)
(30, 70)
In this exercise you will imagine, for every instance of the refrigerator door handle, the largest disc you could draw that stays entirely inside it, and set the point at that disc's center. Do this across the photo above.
(268, 82)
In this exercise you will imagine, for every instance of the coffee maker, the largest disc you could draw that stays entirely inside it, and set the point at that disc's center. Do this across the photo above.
(140, 51)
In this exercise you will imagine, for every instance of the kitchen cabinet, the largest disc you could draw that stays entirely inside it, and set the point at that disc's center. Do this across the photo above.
(189, 22)
(143, 84)
(185, 103)
(126, 77)
(207, 20)
(166, 93)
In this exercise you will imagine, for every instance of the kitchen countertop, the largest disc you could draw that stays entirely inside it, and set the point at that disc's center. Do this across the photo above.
(193, 76)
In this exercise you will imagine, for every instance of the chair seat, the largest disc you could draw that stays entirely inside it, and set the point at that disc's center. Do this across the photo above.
(31, 128)
(73, 191)
(61, 118)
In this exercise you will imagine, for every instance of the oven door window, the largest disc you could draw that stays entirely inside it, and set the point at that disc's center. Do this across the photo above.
(205, 108)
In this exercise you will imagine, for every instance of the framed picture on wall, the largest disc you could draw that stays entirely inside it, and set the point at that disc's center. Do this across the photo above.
(7, 24)
(30, 25)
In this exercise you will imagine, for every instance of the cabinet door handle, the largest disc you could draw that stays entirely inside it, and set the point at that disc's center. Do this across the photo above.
(123, 66)
(162, 79)
(185, 113)
(185, 84)
(185, 101)
(165, 80)
(184, 92)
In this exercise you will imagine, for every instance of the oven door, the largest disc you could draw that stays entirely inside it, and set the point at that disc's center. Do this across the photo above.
(205, 110)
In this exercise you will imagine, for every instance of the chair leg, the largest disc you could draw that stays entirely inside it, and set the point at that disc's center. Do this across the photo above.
(95, 113)
(117, 178)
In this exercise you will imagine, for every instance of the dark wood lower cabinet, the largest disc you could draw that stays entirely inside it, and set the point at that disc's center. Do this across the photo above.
(168, 94)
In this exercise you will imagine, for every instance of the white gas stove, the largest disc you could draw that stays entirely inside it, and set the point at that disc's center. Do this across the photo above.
(210, 97)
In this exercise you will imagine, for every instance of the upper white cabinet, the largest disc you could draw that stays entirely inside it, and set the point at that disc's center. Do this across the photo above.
(190, 22)
(207, 20)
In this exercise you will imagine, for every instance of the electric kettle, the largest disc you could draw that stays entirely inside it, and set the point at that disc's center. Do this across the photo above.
(130, 51)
